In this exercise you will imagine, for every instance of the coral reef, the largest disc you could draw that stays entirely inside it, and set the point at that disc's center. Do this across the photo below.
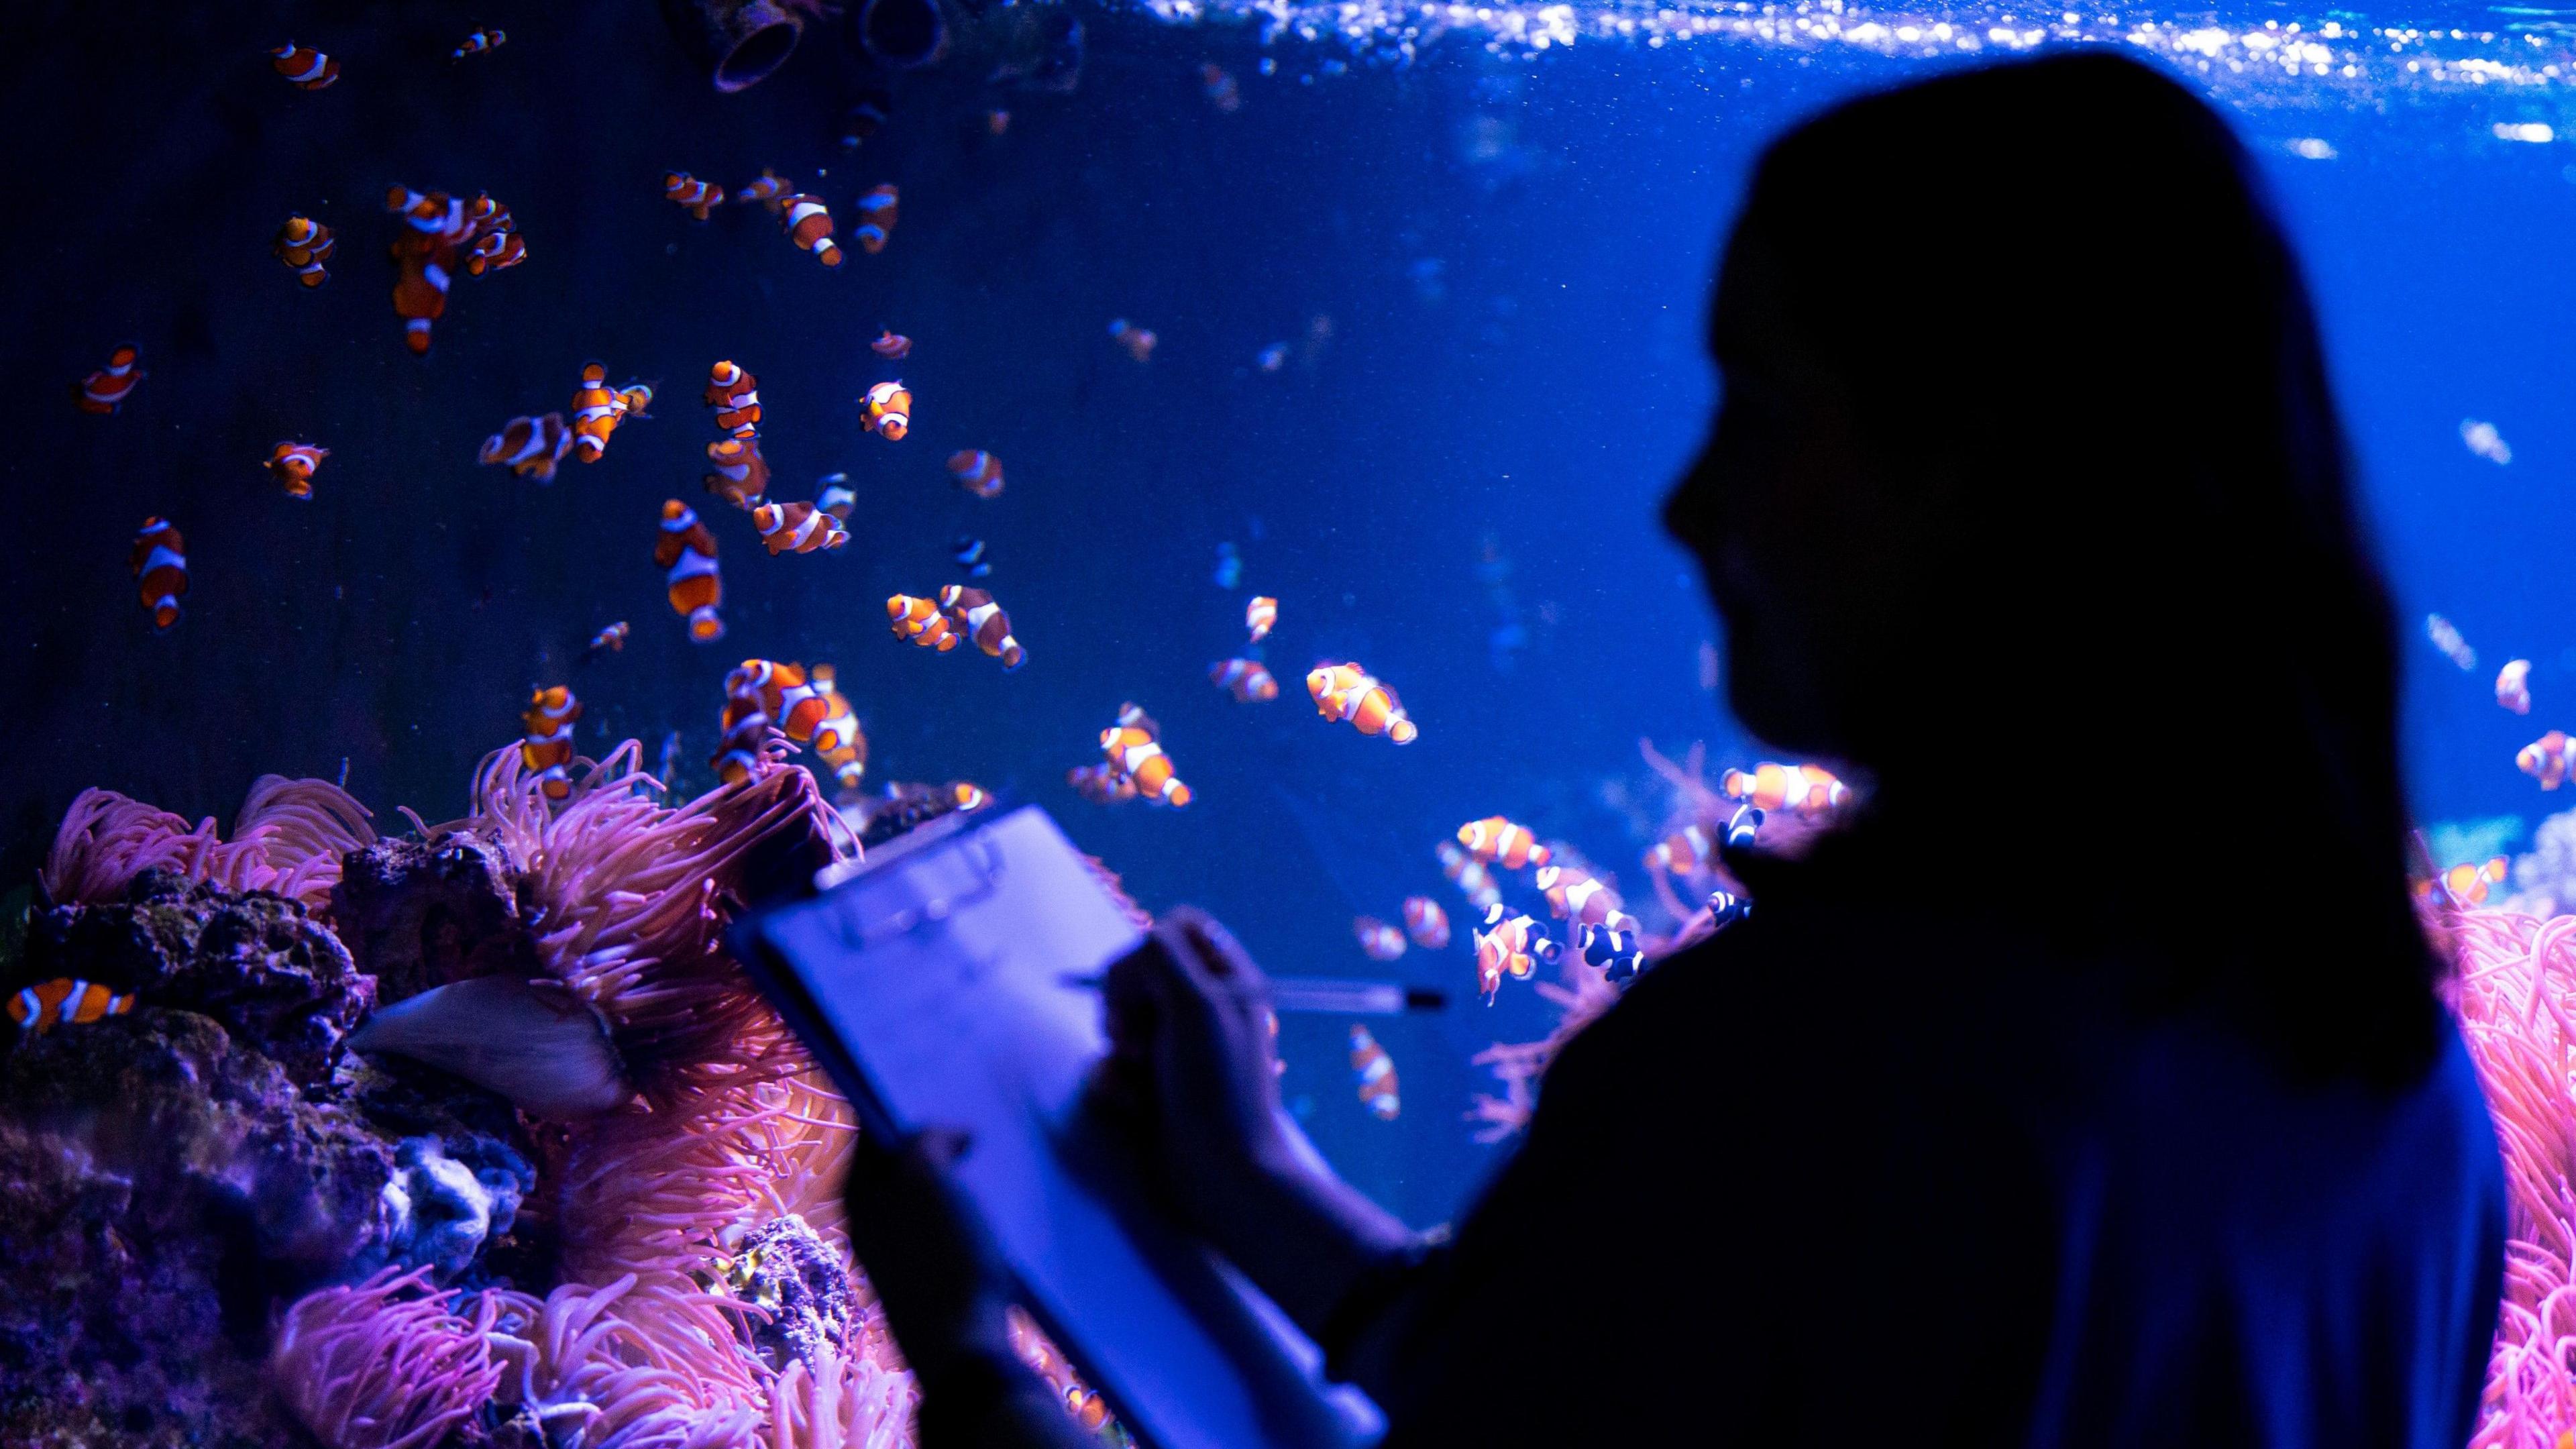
(2544, 880)
(417, 915)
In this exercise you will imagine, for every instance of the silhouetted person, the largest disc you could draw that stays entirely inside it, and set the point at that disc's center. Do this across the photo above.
(2089, 1087)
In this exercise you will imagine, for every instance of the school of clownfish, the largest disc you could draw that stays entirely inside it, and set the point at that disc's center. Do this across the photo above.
(2550, 760)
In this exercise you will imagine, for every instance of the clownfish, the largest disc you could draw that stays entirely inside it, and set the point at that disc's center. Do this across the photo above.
(865, 119)
(1725, 908)
(1378, 940)
(1222, 93)
(65, 1001)
(837, 737)
(2548, 759)
(2467, 885)
(919, 621)
(968, 551)
(1248, 680)
(686, 552)
(303, 66)
(997, 122)
(767, 190)
(742, 743)
(496, 251)
(837, 497)
(808, 223)
(1468, 874)
(104, 391)
(1348, 693)
(690, 194)
(160, 564)
(304, 244)
(741, 475)
(1507, 844)
(597, 409)
(1087, 1408)
(529, 447)
(1260, 616)
(891, 345)
(2513, 686)
(1134, 752)
(1376, 1073)
(480, 42)
(735, 395)
(1101, 784)
(1617, 951)
(1744, 827)
(610, 640)
(1582, 898)
(972, 613)
(1426, 923)
(1511, 943)
(887, 411)
(292, 465)
(546, 752)
(876, 219)
(976, 471)
(797, 528)
(967, 795)
(1132, 716)
(434, 227)
(1806, 789)
(1138, 341)
(1684, 852)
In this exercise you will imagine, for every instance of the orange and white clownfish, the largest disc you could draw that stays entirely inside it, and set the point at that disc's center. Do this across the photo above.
(891, 345)
(797, 528)
(808, 223)
(292, 465)
(1503, 842)
(2464, 886)
(160, 564)
(546, 751)
(1248, 680)
(2513, 686)
(876, 219)
(304, 244)
(1686, 851)
(1260, 616)
(741, 475)
(837, 498)
(976, 471)
(743, 744)
(104, 391)
(1138, 341)
(303, 66)
(1378, 940)
(597, 409)
(1376, 1073)
(1135, 753)
(1582, 898)
(1346, 692)
(766, 190)
(919, 620)
(480, 42)
(610, 640)
(1807, 789)
(686, 552)
(496, 251)
(838, 738)
(66, 1001)
(1426, 923)
(2548, 759)
(972, 613)
(735, 395)
(690, 194)
(1468, 874)
(1511, 943)
(529, 447)
(887, 410)
(1087, 1408)
(434, 226)
(1101, 784)
(967, 795)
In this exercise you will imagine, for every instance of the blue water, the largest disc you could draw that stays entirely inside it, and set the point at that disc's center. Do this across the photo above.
(1456, 487)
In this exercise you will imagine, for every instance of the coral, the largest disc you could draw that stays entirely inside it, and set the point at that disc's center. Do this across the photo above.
(420, 915)
(442, 1211)
(366, 1367)
(2544, 881)
(1583, 993)
(800, 1281)
(289, 838)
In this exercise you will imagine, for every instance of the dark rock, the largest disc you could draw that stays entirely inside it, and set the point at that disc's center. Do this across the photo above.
(418, 916)
(786, 1268)
(275, 978)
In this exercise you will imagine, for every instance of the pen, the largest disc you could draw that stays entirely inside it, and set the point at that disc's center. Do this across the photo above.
(1331, 995)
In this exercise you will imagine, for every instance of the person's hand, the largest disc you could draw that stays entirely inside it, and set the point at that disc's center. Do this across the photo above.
(1191, 1072)
(928, 1254)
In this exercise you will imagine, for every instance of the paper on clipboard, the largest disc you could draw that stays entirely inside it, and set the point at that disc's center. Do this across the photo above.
(938, 987)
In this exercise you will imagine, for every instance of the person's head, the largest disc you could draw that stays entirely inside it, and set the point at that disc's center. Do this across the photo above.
(2027, 494)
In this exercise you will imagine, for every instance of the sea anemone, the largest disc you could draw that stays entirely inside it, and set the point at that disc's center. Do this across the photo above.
(288, 839)
(841, 1402)
(633, 1378)
(365, 1367)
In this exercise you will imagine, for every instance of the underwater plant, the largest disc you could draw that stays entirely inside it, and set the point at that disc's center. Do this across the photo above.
(366, 1367)
(288, 838)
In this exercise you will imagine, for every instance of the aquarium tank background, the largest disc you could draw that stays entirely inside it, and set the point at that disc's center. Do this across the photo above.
(1391, 313)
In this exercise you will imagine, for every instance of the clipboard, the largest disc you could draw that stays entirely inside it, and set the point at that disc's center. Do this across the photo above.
(942, 983)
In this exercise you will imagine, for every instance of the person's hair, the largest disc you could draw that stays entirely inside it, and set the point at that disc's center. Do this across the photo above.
(2054, 285)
